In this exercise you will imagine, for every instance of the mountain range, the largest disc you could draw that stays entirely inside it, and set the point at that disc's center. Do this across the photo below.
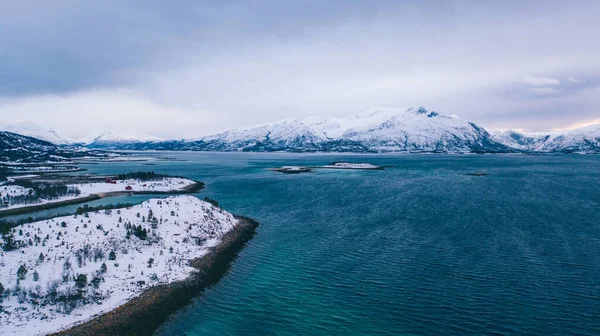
(111, 136)
(16, 148)
(377, 130)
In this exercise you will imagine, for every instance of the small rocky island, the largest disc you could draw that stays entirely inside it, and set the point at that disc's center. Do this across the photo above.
(333, 165)
(292, 169)
(351, 165)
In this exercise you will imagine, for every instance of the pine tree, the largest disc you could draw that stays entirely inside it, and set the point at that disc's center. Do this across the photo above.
(81, 280)
(21, 272)
(9, 242)
(103, 268)
(112, 255)
(36, 276)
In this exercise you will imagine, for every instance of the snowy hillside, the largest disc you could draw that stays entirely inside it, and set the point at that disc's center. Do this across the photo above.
(31, 129)
(376, 130)
(113, 136)
(521, 141)
(20, 148)
(65, 270)
(581, 140)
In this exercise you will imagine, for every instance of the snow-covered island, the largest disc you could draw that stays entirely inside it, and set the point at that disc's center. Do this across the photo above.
(49, 193)
(334, 165)
(350, 165)
(292, 169)
(64, 271)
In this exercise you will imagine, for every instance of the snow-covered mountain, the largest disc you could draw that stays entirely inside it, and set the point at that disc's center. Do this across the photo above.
(16, 148)
(31, 129)
(115, 136)
(376, 130)
(581, 140)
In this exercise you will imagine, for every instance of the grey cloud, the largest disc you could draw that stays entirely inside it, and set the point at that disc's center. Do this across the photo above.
(193, 68)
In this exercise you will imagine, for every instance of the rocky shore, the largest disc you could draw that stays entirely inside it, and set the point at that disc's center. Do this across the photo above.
(145, 313)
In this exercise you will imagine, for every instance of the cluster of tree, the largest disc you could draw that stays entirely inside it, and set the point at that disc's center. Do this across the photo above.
(211, 201)
(136, 230)
(39, 191)
(88, 254)
(66, 294)
(8, 241)
(86, 208)
(143, 176)
(13, 239)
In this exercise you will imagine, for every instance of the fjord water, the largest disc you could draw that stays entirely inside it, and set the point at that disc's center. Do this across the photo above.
(419, 248)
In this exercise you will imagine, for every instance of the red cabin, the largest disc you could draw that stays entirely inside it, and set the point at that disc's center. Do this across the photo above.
(108, 180)
(128, 188)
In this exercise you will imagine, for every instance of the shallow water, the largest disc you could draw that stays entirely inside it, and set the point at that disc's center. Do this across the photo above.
(416, 249)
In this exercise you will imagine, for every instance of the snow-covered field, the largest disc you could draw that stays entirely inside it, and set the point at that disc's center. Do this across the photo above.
(167, 184)
(72, 274)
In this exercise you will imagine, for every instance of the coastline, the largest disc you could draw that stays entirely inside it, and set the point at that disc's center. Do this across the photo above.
(144, 314)
(192, 188)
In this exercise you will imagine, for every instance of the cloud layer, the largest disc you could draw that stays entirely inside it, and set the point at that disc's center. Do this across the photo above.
(198, 68)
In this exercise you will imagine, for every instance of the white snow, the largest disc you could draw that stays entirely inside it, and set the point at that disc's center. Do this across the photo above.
(31, 129)
(184, 223)
(118, 134)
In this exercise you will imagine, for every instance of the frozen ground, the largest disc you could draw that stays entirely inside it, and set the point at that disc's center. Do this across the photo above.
(69, 273)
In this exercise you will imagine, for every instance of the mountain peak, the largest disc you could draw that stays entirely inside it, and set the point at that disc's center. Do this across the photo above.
(115, 134)
(34, 130)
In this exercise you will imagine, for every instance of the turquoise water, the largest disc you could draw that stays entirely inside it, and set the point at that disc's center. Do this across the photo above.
(416, 249)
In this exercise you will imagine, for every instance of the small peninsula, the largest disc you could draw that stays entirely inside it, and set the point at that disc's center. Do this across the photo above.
(62, 272)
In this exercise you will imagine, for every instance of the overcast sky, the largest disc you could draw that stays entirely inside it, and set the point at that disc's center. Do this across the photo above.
(188, 68)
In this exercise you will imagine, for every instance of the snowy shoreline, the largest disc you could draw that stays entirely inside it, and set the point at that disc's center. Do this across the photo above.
(65, 286)
(144, 314)
(94, 191)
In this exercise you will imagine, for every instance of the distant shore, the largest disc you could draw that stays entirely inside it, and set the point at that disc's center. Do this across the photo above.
(192, 188)
(144, 314)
